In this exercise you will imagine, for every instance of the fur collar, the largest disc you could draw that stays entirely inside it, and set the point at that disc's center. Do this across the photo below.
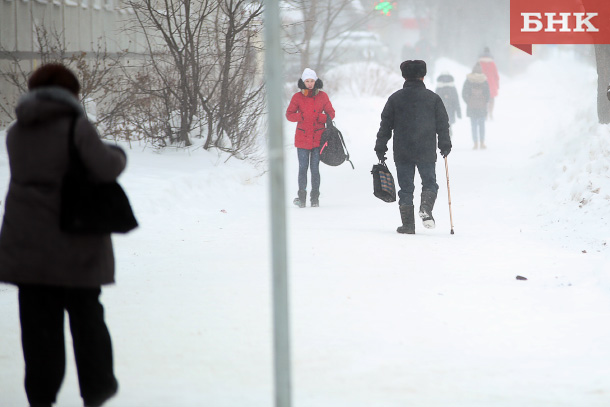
(310, 92)
(440, 84)
(52, 93)
(318, 85)
(413, 83)
(47, 104)
(476, 77)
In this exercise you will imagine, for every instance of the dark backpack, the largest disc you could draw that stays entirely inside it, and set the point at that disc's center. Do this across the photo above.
(477, 96)
(333, 151)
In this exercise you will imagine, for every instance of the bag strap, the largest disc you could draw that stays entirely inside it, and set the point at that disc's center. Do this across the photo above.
(344, 146)
(75, 162)
(71, 145)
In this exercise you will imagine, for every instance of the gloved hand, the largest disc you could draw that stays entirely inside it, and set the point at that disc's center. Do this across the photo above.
(381, 156)
(445, 151)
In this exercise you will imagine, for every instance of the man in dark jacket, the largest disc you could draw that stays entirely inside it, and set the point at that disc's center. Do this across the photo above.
(415, 115)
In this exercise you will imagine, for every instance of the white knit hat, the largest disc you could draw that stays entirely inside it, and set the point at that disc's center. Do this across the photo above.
(309, 74)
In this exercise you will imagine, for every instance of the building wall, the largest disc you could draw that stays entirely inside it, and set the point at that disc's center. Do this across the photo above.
(82, 25)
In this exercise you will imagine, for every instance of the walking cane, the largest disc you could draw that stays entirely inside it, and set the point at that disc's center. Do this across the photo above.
(449, 195)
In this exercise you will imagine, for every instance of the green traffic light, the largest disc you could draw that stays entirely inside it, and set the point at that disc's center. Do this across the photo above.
(384, 7)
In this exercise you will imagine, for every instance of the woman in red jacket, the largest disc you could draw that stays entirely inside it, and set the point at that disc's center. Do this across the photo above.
(493, 78)
(309, 108)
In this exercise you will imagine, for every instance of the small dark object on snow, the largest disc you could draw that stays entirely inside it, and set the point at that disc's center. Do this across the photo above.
(521, 278)
(584, 251)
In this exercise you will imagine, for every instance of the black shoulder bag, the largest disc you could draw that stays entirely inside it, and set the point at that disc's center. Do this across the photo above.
(383, 183)
(90, 207)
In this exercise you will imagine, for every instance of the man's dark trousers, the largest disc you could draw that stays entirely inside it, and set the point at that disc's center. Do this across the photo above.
(406, 174)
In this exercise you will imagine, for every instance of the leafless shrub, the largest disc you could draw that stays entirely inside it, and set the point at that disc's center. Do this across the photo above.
(320, 21)
(96, 71)
(201, 75)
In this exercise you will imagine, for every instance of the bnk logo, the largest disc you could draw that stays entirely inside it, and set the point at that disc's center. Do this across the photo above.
(559, 22)
(532, 22)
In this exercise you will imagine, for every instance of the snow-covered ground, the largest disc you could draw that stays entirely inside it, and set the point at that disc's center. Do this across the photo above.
(377, 318)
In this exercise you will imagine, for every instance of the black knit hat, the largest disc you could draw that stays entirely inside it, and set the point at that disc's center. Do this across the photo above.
(413, 69)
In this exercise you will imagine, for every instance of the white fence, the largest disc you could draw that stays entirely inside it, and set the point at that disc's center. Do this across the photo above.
(82, 25)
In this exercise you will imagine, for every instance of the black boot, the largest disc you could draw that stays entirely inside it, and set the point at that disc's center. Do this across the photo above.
(301, 198)
(100, 399)
(407, 215)
(425, 209)
(315, 195)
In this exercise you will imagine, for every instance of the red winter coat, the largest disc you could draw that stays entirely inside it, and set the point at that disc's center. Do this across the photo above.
(310, 114)
(491, 72)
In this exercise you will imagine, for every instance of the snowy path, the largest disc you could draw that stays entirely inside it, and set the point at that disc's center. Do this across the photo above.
(378, 318)
(439, 320)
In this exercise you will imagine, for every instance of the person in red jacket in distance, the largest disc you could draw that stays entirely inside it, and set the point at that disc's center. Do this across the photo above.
(309, 108)
(490, 70)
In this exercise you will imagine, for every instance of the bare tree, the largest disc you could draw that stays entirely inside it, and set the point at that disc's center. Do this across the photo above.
(320, 21)
(201, 72)
(240, 105)
(95, 70)
(175, 35)
(17, 71)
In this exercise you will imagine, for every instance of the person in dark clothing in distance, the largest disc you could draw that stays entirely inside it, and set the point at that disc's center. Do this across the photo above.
(415, 116)
(445, 88)
(57, 271)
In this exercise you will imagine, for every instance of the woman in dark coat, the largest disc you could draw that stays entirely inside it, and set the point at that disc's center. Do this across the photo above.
(445, 88)
(56, 271)
(476, 95)
(309, 108)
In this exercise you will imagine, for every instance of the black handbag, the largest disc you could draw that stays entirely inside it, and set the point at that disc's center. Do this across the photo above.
(383, 183)
(90, 207)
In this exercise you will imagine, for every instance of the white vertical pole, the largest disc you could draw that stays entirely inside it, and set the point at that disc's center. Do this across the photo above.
(275, 108)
